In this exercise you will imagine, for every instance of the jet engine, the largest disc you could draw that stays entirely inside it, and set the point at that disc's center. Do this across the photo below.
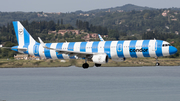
(100, 58)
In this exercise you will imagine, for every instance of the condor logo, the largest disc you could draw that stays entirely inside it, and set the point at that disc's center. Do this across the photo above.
(138, 50)
(20, 31)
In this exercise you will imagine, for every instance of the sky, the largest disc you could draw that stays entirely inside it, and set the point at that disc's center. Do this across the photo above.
(74, 5)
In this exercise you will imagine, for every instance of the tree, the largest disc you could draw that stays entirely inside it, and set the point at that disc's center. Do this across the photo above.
(61, 21)
(114, 34)
(51, 25)
(58, 23)
(104, 31)
(77, 23)
(123, 34)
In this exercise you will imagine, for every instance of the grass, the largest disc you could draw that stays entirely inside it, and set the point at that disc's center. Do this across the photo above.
(130, 62)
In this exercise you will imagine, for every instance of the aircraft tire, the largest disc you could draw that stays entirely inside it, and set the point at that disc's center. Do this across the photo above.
(157, 64)
(85, 65)
(97, 65)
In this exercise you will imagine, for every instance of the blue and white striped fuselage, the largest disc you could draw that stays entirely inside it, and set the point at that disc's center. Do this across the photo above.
(98, 51)
(114, 49)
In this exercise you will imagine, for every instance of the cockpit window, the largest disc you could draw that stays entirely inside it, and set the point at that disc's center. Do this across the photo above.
(164, 45)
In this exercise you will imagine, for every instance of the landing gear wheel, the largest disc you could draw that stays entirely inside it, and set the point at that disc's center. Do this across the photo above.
(157, 64)
(85, 65)
(97, 65)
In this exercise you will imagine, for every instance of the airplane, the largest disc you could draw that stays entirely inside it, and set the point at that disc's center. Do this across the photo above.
(98, 52)
(101, 39)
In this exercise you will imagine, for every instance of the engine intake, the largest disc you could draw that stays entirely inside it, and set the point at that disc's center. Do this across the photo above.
(100, 58)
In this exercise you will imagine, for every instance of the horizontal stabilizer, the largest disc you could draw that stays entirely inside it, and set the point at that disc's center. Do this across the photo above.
(22, 49)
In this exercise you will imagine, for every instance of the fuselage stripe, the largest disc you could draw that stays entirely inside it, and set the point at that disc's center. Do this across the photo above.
(71, 48)
(132, 48)
(59, 46)
(95, 47)
(36, 49)
(159, 48)
(119, 49)
(47, 51)
(107, 48)
(145, 48)
(83, 46)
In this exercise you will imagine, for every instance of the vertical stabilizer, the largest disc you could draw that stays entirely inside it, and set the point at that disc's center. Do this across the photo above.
(22, 35)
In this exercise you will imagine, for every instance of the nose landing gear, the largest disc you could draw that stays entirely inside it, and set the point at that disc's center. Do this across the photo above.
(157, 63)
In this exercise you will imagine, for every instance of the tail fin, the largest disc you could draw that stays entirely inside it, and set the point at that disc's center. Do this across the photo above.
(22, 35)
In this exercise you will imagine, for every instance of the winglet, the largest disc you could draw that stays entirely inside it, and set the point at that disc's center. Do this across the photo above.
(42, 43)
(100, 37)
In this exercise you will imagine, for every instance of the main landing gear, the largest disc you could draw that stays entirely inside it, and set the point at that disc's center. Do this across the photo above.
(97, 65)
(85, 65)
(157, 63)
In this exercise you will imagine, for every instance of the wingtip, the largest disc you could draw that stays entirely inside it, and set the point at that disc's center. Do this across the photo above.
(42, 43)
(40, 40)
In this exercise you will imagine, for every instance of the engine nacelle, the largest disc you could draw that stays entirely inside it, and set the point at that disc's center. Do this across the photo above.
(100, 58)
(119, 59)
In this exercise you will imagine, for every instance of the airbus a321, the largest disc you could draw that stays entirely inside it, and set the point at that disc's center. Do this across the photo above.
(98, 52)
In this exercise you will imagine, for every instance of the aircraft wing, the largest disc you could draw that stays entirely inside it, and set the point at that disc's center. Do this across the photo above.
(75, 53)
(71, 53)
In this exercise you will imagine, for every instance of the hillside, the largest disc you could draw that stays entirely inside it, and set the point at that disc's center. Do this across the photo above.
(129, 18)
(128, 22)
(126, 8)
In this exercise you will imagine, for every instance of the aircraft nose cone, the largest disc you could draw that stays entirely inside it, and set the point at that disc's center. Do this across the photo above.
(172, 50)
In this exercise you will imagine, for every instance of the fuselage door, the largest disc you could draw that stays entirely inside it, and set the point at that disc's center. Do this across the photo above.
(154, 45)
